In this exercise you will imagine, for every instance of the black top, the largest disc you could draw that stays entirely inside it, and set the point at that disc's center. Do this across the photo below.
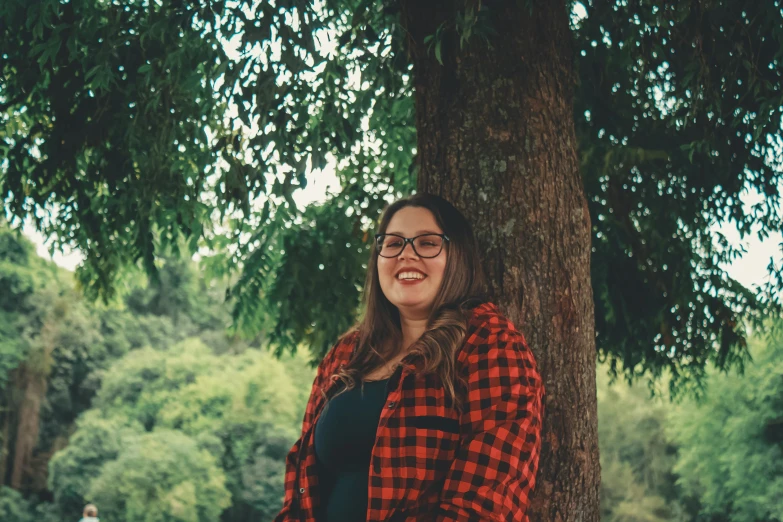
(344, 438)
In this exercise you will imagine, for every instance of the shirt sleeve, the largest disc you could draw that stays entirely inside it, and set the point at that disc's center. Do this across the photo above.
(495, 468)
(292, 458)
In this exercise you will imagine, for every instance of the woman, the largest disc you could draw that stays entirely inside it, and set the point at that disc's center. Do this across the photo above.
(435, 403)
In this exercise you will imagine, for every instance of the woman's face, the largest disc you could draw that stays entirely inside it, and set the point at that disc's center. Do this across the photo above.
(408, 281)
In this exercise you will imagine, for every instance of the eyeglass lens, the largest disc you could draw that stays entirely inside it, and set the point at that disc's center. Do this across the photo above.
(425, 246)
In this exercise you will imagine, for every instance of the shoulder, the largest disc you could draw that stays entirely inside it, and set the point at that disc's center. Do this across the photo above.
(494, 344)
(340, 353)
(487, 325)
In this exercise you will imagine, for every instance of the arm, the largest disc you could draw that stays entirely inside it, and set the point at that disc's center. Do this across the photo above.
(292, 458)
(494, 470)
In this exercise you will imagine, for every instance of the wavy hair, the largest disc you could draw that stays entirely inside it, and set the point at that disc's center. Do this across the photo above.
(462, 288)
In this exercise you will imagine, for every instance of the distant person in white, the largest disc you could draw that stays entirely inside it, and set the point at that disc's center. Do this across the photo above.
(90, 513)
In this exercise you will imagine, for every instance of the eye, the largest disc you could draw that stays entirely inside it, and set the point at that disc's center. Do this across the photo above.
(393, 243)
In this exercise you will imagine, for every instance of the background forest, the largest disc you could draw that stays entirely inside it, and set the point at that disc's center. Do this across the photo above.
(149, 409)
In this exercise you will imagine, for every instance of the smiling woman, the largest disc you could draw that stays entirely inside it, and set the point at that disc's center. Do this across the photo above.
(410, 276)
(434, 399)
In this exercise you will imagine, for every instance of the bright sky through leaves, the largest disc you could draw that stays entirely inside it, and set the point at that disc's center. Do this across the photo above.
(750, 270)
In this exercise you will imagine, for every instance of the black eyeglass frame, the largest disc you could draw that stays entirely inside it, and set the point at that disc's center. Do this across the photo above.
(406, 240)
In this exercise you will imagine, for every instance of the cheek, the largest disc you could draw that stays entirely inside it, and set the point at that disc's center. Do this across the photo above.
(436, 271)
(385, 271)
(439, 269)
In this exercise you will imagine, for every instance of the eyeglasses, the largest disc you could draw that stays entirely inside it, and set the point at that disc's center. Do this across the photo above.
(425, 246)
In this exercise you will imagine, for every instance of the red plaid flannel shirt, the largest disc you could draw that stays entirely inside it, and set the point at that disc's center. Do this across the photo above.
(429, 463)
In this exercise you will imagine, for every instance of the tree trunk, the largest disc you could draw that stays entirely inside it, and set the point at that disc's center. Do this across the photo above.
(496, 138)
(5, 435)
(28, 426)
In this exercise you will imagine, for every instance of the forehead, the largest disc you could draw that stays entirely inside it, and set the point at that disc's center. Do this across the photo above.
(411, 221)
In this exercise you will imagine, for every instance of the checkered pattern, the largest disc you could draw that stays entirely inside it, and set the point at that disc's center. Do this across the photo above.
(429, 463)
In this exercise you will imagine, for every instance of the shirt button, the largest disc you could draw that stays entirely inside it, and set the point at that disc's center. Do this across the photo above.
(391, 404)
(301, 490)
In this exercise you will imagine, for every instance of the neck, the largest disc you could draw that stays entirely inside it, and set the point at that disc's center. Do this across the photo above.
(412, 328)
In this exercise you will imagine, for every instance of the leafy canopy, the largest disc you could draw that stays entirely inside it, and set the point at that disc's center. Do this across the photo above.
(126, 125)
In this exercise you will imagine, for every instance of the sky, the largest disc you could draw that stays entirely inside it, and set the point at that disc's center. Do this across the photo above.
(750, 270)
(317, 190)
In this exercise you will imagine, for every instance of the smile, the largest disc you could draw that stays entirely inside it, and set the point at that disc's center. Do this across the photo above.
(410, 276)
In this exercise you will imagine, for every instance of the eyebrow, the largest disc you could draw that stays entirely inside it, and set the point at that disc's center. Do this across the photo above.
(418, 233)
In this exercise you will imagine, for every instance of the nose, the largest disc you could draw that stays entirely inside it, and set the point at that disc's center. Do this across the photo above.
(408, 253)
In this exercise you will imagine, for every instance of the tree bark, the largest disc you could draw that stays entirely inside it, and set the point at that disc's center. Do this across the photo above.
(5, 435)
(28, 426)
(496, 138)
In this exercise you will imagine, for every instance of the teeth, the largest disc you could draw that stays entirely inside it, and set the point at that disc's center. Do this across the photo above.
(410, 275)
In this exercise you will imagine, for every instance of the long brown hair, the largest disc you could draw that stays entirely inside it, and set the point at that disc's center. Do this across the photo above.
(463, 287)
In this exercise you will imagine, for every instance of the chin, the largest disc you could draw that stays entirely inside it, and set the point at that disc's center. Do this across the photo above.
(412, 305)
